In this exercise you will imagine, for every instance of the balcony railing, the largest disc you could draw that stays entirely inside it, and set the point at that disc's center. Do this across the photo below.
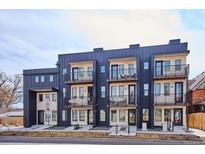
(171, 71)
(81, 101)
(125, 100)
(170, 99)
(123, 74)
(81, 76)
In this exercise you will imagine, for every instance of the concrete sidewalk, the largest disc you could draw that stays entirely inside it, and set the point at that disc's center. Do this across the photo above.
(198, 132)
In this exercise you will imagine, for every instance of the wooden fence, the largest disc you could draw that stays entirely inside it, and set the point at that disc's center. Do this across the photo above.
(197, 120)
(11, 120)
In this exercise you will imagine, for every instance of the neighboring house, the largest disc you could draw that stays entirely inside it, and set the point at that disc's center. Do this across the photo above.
(196, 93)
(12, 117)
(128, 86)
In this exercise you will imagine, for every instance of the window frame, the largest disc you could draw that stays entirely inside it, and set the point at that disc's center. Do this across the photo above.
(42, 78)
(112, 115)
(102, 89)
(155, 89)
(121, 87)
(146, 65)
(156, 115)
(36, 79)
(165, 93)
(102, 69)
(146, 89)
(80, 114)
(51, 78)
(73, 115)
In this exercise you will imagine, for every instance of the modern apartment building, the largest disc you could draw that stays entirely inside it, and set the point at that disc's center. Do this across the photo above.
(128, 86)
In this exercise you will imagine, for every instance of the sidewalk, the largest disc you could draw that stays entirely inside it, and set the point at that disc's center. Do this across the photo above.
(198, 132)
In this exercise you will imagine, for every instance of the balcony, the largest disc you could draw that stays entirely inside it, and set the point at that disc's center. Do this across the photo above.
(122, 101)
(171, 71)
(83, 101)
(170, 99)
(81, 77)
(120, 75)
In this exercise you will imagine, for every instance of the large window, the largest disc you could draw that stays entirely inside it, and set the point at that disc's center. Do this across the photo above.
(74, 92)
(82, 115)
(178, 65)
(54, 97)
(48, 97)
(146, 89)
(121, 115)
(103, 91)
(90, 71)
(114, 115)
(121, 69)
(158, 115)
(36, 79)
(40, 97)
(167, 65)
(102, 115)
(145, 114)
(81, 70)
(167, 89)
(81, 92)
(42, 78)
(121, 91)
(54, 115)
(74, 115)
(157, 89)
(131, 70)
(113, 91)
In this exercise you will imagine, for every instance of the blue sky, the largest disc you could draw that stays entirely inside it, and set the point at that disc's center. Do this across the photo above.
(34, 38)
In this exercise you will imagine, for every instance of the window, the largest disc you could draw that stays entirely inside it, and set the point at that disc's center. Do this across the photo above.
(167, 65)
(121, 69)
(131, 70)
(103, 91)
(64, 71)
(54, 97)
(74, 92)
(121, 91)
(81, 70)
(74, 115)
(51, 78)
(146, 89)
(157, 89)
(113, 91)
(42, 78)
(122, 115)
(64, 117)
(167, 89)
(167, 114)
(81, 92)
(82, 115)
(178, 65)
(145, 114)
(102, 115)
(114, 115)
(102, 69)
(146, 65)
(158, 115)
(48, 97)
(54, 115)
(36, 78)
(90, 71)
(64, 92)
(40, 97)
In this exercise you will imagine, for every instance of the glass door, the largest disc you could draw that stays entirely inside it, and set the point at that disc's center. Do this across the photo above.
(75, 73)
(131, 93)
(159, 68)
(178, 117)
(90, 94)
(114, 72)
(179, 92)
(131, 117)
(40, 117)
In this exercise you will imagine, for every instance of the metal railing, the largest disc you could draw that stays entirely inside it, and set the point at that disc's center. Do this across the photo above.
(81, 75)
(122, 100)
(171, 70)
(123, 74)
(169, 99)
(81, 101)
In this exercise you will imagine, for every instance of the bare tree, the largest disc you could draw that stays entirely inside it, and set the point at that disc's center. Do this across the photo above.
(10, 91)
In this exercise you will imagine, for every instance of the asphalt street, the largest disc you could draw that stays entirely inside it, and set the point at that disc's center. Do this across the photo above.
(95, 141)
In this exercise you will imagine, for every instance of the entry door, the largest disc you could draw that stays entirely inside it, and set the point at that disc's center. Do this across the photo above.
(179, 92)
(178, 120)
(90, 117)
(132, 117)
(40, 117)
(90, 94)
(75, 73)
(159, 68)
(114, 71)
(131, 93)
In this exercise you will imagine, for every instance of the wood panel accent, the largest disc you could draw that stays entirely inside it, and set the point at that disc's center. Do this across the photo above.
(196, 120)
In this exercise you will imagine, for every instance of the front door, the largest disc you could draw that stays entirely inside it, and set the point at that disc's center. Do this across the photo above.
(131, 93)
(159, 68)
(90, 117)
(179, 92)
(178, 117)
(132, 117)
(90, 94)
(75, 73)
(40, 117)
(114, 72)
